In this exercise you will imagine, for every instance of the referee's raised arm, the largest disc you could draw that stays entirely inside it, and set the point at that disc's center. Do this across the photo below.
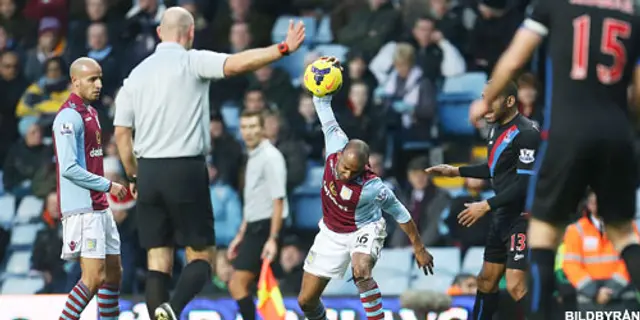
(165, 100)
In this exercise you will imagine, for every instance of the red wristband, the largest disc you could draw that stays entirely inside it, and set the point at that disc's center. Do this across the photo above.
(283, 48)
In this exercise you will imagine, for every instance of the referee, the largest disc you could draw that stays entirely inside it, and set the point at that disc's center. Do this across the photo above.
(165, 100)
(265, 206)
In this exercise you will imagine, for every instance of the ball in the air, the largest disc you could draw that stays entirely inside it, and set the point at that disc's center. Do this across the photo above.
(322, 78)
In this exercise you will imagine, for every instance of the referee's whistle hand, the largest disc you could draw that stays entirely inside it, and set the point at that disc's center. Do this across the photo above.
(118, 190)
(270, 250)
(295, 35)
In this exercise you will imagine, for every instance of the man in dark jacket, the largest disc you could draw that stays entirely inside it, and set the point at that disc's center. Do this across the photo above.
(368, 29)
(47, 248)
(12, 86)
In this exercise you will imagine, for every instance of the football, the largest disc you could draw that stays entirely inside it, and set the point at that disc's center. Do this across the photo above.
(322, 78)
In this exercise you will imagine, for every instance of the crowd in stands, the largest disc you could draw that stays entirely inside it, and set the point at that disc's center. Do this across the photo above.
(400, 58)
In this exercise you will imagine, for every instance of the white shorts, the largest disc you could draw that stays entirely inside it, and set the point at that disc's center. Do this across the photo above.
(90, 235)
(330, 255)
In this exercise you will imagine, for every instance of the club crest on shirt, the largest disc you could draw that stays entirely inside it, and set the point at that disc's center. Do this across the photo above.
(345, 193)
(66, 128)
(527, 156)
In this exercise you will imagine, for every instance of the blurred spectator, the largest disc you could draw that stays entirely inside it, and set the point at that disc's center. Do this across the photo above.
(222, 276)
(530, 106)
(309, 58)
(463, 284)
(18, 29)
(39, 9)
(122, 210)
(51, 44)
(433, 53)
(426, 204)
(593, 266)
(96, 11)
(48, 247)
(226, 153)
(291, 261)
(356, 70)
(449, 15)
(492, 32)
(234, 11)
(45, 179)
(255, 100)
(376, 163)
(410, 97)
(275, 83)
(233, 88)
(101, 49)
(227, 208)
(341, 12)
(476, 235)
(200, 23)
(12, 85)
(25, 157)
(6, 43)
(46, 95)
(369, 28)
(140, 31)
(305, 124)
(292, 149)
(360, 121)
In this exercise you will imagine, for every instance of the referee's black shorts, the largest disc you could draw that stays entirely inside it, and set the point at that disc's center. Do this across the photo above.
(568, 165)
(174, 205)
(250, 249)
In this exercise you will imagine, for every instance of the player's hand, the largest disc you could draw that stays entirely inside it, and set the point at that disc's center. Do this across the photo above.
(478, 109)
(424, 260)
(133, 188)
(295, 35)
(604, 295)
(333, 60)
(232, 251)
(443, 170)
(118, 190)
(270, 249)
(473, 212)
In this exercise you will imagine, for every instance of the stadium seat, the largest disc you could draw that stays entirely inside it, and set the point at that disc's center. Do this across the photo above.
(19, 263)
(312, 182)
(22, 285)
(1, 184)
(324, 34)
(336, 50)
(308, 211)
(453, 113)
(473, 259)
(416, 145)
(293, 63)
(392, 270)
(30, 209)
(7, 210)
(280, 28)
(479, 153)
(23, 236)
(444, 273)
(471, 82)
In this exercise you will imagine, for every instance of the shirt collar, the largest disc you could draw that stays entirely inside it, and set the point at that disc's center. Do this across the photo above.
(258, 148)
(169, 46)
(77, 101)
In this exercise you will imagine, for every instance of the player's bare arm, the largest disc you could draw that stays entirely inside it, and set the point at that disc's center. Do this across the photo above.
(519, 52)
(635, 91)
(444, 170)
(423, 258)
(254, 59)
(124, 141)
(232, 251)
(479, 171)
(270, 249)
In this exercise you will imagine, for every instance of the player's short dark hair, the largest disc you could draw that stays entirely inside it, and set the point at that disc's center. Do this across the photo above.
(426, 17)
(528, 79)
(251, 114)
(511, 89)
(418, 163)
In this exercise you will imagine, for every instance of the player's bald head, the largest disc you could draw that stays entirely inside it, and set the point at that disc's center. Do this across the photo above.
(176, 22)
(84, 66)
(356, 152)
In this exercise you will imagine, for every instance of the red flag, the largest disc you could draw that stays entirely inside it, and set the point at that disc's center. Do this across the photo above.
(270, 303)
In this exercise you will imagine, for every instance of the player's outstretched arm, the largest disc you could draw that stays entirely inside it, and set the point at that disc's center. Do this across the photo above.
(480, 171)
(334, 138)
(68, 132)
(387, 201)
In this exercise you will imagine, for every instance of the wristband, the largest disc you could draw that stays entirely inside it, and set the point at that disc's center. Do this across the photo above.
(133, 179)
(283, 48)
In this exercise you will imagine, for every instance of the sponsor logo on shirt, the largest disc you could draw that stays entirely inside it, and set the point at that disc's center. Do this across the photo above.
(382, 195)
(327, 192)
(95, 152)
(527, 155)
(66, 128)
(518, 257)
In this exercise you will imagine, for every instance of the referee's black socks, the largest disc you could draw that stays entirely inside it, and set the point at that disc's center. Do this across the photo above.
(541, 284)
(631, 256)
(247, 308)
(156, 290)
(193, 278)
